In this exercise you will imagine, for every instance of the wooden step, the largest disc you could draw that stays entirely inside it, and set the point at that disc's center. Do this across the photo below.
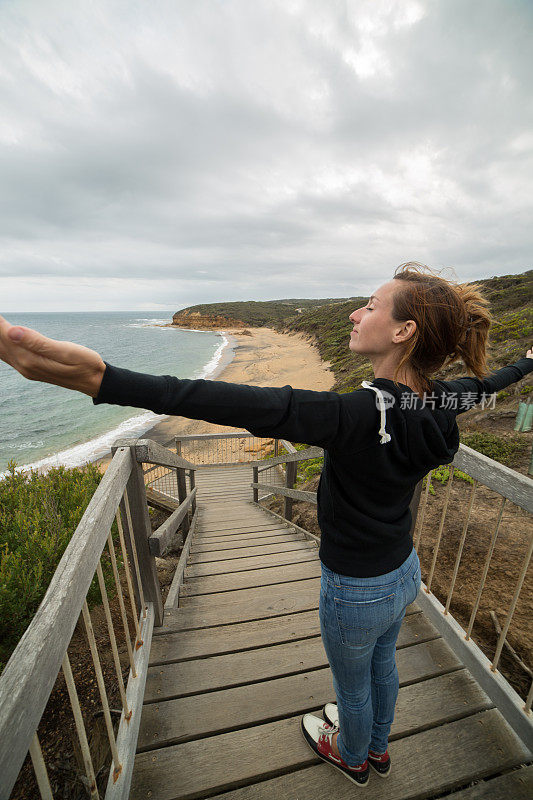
(194, 644)
(424, 765)
(236, 669)
(210, 584)
(235, 554)
(254, 562)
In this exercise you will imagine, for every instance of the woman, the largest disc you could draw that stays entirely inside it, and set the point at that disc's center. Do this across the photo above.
(379, 442)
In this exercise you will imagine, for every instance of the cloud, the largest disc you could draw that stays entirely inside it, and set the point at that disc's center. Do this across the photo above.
(235, 150)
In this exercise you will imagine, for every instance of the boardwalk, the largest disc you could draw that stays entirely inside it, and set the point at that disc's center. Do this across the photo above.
(240, 659)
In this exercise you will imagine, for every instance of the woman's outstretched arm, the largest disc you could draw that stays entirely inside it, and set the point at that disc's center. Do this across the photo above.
(297, 414)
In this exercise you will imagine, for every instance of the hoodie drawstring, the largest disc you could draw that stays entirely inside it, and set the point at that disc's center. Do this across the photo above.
(385, 437)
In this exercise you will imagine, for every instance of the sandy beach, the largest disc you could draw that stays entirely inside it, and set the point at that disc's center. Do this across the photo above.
(263, 358)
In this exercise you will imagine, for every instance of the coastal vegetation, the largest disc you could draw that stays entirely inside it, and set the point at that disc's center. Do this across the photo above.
(38, 514)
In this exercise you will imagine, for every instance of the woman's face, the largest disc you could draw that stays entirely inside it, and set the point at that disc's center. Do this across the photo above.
(373, 325)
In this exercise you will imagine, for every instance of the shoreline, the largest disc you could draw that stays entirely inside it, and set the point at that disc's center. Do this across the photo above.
(285, 358)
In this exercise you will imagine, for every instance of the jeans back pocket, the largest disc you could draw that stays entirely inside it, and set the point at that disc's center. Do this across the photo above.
(363, 621)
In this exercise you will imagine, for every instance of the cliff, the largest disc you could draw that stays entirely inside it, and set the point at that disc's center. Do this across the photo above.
(204, 322)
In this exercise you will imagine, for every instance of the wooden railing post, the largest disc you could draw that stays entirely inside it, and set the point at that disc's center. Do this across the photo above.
(256, 480)
(276, 447)
(182, 494)
(142, 530)
(178, 447)
(291, 469)
(192, 481)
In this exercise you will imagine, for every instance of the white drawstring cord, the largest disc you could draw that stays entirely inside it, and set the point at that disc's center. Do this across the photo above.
(385, 437)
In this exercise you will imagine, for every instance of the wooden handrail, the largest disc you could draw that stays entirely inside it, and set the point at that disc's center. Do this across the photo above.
(149, 452)
(294, 494)
(298, 455)
(30, 673)
(513, 485)
(161, 540)
(205, 436)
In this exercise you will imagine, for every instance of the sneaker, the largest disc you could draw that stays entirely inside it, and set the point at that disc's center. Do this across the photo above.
(317, 734)
(381, 763)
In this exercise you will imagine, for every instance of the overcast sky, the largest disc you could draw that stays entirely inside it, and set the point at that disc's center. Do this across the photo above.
(160, 153)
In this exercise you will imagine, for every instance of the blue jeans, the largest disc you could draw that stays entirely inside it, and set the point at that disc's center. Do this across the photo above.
(360, 619)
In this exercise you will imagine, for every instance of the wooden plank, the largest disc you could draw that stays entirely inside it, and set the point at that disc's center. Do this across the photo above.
(142, 529)
(241, 527)
(186, 645)
(150, 452)
(261, 598)
(242, 636)
(128, 730)
(295, 494)
(32, 669)
(242, 534)
(516, 785)
(254, 562)
(415, 663)
(163, 538)
(177, 580)
(308, 535)
(288, 458)
(158, 500)
(516, 487)
(482, 745)
(235, 555)
(255, 541)
(269, 601)
(209, 585)
(419, 706)
(257, 537)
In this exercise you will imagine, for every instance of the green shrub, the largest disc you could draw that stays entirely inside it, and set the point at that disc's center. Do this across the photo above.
(38, 515)
(506, 450)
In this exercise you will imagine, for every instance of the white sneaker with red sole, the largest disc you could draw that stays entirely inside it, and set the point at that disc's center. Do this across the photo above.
(379, 762)
(318, 735)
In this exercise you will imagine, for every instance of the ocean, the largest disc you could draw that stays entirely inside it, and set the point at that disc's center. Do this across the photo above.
(43, 425)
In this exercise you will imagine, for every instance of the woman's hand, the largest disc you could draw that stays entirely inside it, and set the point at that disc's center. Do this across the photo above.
(39, 358)
(529, 353)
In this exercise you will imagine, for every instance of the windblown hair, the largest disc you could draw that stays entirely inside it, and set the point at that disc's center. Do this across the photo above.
(452, 322)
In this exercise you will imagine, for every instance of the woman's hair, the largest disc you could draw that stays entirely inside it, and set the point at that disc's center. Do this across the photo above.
(452, 322)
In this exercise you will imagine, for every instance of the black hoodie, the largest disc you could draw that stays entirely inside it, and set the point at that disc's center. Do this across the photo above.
(379, 441)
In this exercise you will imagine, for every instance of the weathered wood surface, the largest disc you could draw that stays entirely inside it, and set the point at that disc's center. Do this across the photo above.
(142, 529)
(253, 562)
(159, 500)
(164, 537)
(289, 458)
(234, 667)
(245, 604)
(256, 541)
(128, 730)
(310, 536)
(419, 706)
(201, 643)
(221, 528)
(516, 487)
(295, 494)
(221, 672)
(177, 580)
(479, 746)
(516, 785)
(248, 552)
(149, 452)
(35, 662)
(205, 586)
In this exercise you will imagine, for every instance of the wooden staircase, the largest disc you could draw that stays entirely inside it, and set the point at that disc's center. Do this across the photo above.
(240, 659)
